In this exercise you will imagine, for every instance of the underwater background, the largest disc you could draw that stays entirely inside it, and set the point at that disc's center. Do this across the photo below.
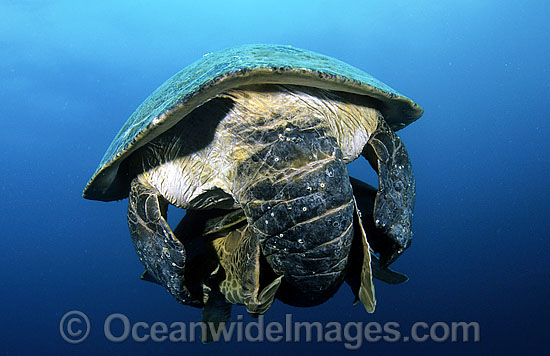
(72, 72)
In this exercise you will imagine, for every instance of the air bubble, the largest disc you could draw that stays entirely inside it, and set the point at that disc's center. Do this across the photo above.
(300, 241)
(304, 208)
(322, 185)
(276, 159)
(281, 235)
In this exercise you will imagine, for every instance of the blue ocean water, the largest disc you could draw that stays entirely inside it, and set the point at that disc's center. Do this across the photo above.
(71, 72)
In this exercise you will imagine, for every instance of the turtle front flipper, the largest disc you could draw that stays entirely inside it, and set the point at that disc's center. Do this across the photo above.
(161, 253)
(386, 274)
(394, 202)
(239, 255)
(216, 313)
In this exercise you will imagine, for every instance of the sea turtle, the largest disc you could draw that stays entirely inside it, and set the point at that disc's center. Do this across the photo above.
(253, 142)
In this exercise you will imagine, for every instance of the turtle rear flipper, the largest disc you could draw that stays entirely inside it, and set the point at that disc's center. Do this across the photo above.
(216, 313)
(161, 253)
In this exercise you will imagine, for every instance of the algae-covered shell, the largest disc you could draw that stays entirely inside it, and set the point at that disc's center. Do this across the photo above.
(220, 71)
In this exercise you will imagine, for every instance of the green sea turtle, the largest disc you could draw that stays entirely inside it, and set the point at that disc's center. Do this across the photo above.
(253, 141)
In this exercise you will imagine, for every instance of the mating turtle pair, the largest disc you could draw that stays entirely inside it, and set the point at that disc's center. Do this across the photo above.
(253, 141)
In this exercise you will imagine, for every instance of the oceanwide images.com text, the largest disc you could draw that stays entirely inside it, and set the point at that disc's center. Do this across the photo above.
(74, 328)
